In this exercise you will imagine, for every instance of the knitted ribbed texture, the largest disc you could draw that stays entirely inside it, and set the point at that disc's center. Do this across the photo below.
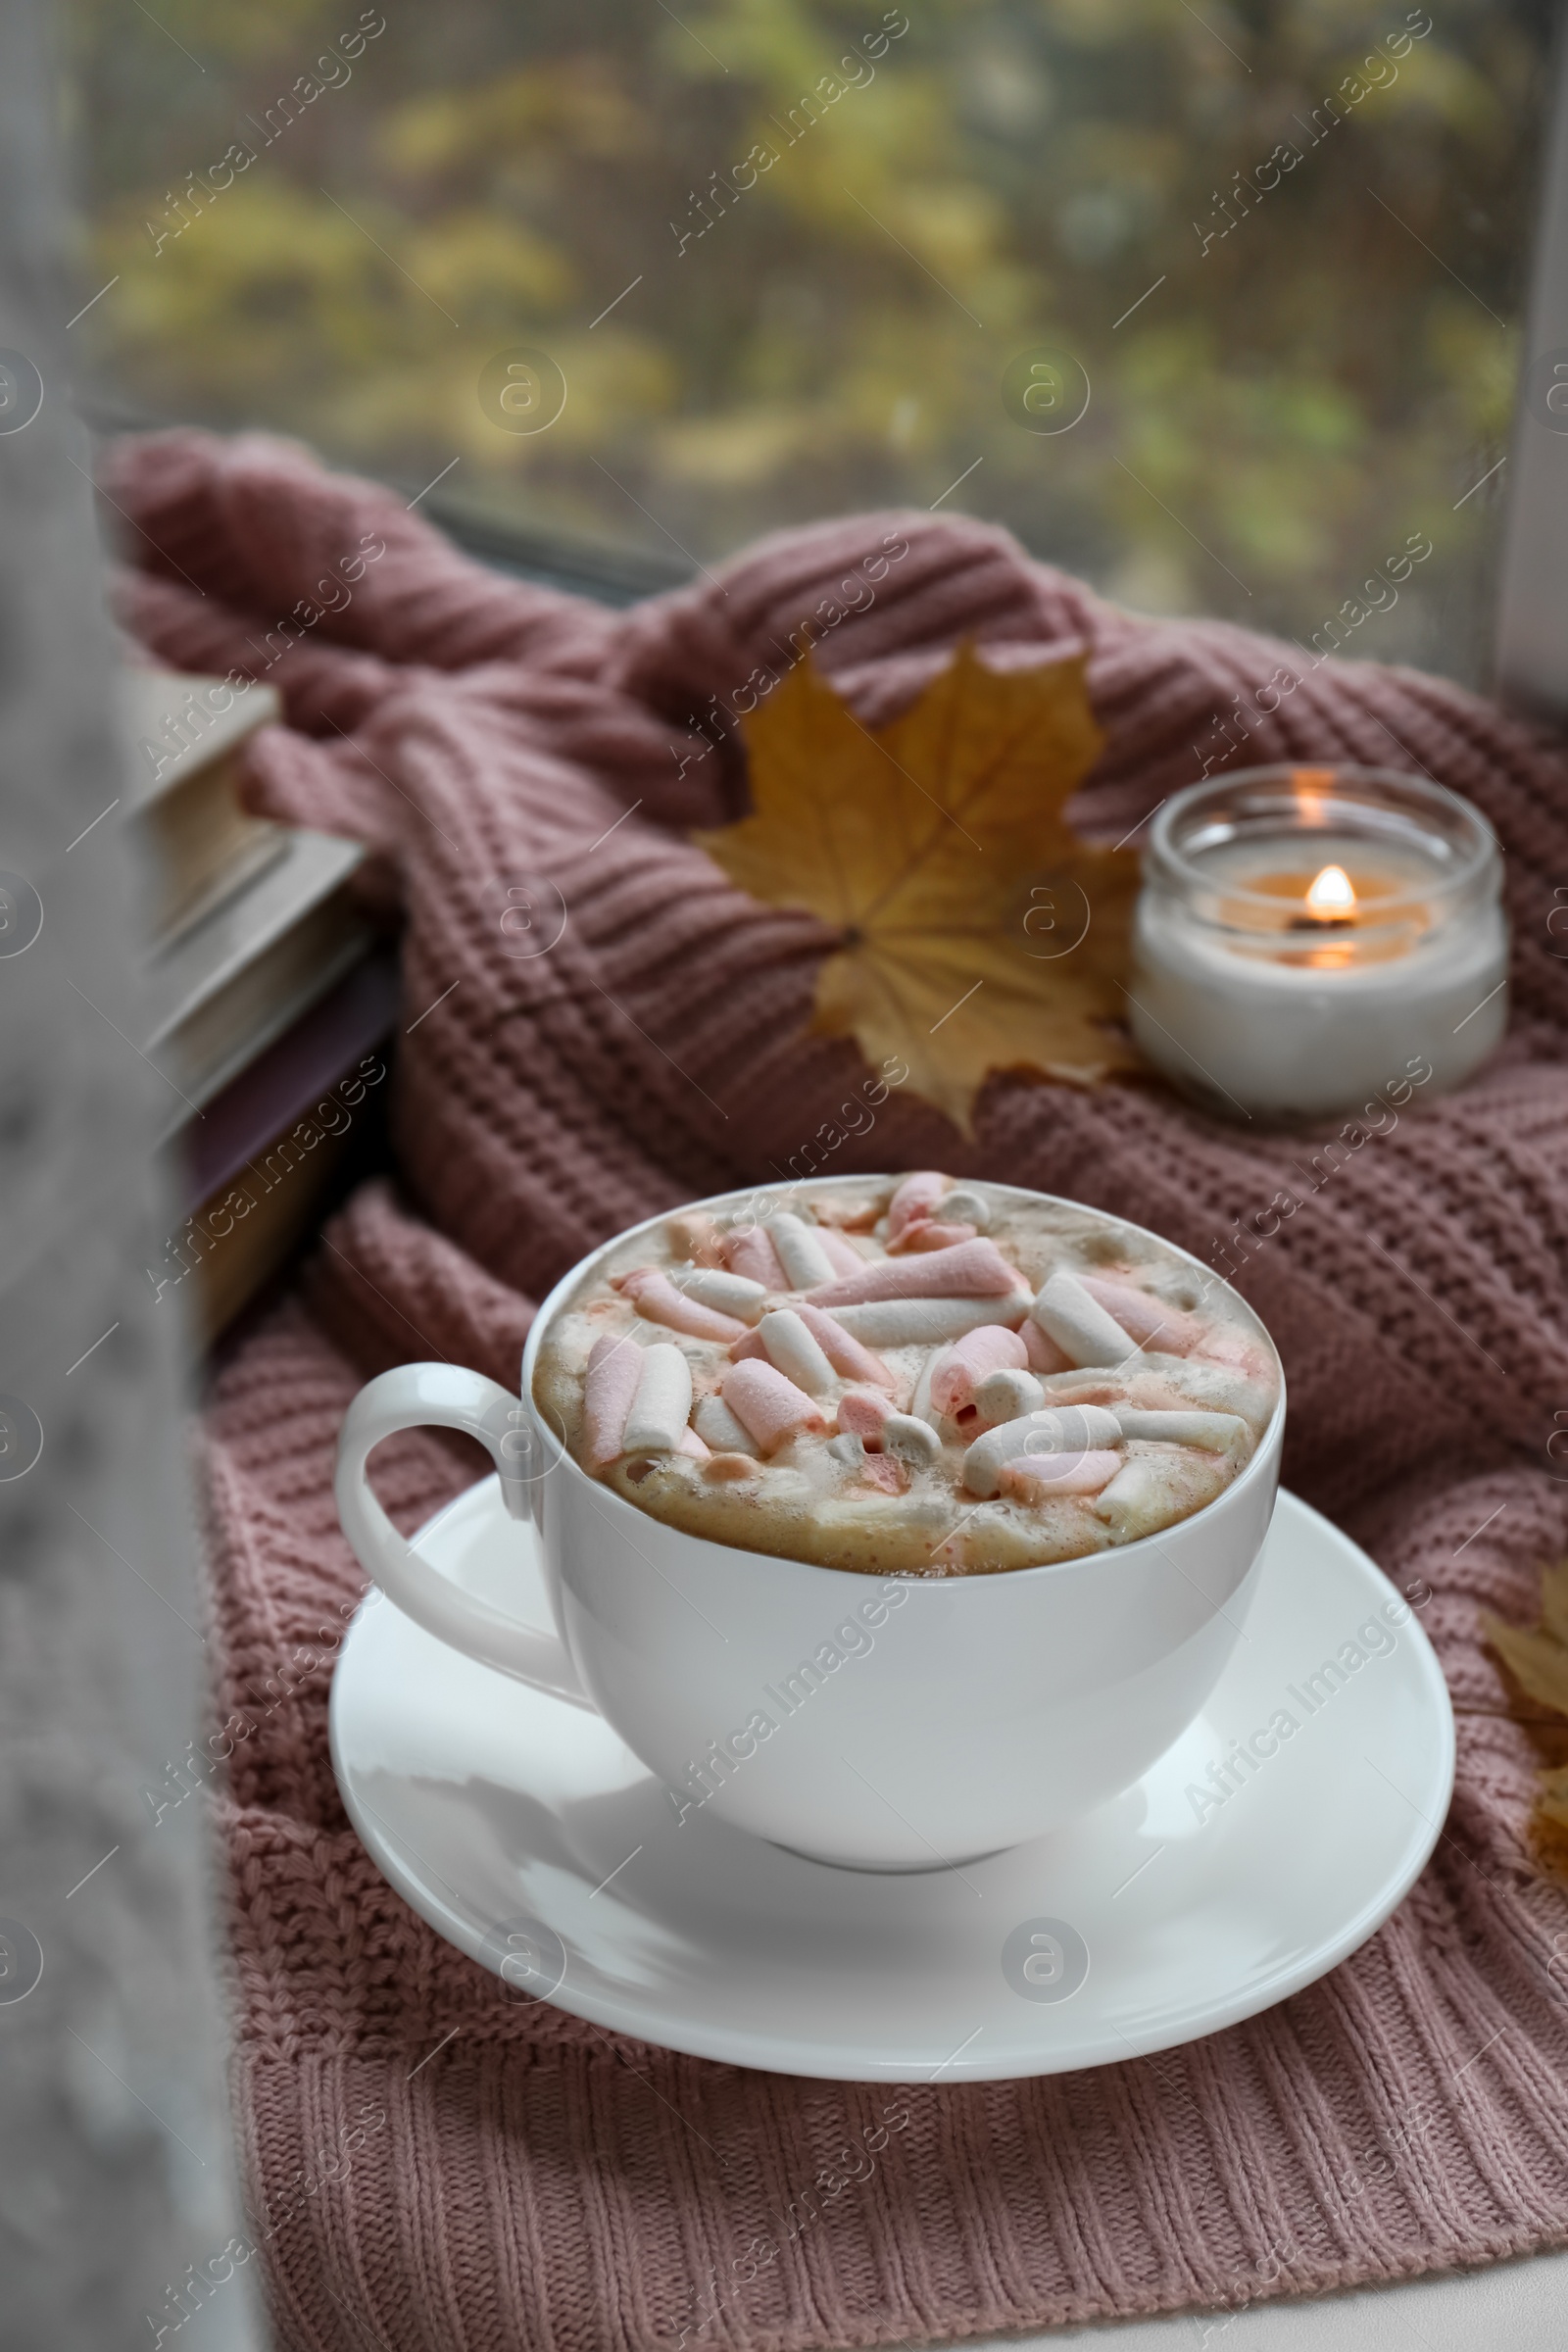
(538, 2183)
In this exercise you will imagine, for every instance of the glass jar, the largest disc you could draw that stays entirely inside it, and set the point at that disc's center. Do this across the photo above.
(1309, 937)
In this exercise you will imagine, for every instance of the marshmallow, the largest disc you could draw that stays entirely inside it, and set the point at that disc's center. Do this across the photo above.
(749, 1252)
(659, 1413)
(963, 1206)
(690, 1442)
(1092, 1386)
(1217, 1431)
(1045, 1356)
(1042, 1477)
(1151, 1322)
(968, 1270)
(694, 1235)
(914, 1199)
(913, 1441)
(718, 1428)
(801, 1253)
(846, 1213)
(847, 1356)
(767, 1406)
(1136, 1495)
(929, 1234)
(790, 1346)
(847, 1447)
(886, 1471)
(654, 1296)
(1216, 1388)
(1008, 1394)
(1076, 1425)
(1067, 1429)
(723, 1469)
(991, 1348)
(615, 1369)
(842, 1256)
(921, 1404)
(926, 1322)
(1079, 1324)
(727, 1294)
(1228, 1345)
(863, 1411)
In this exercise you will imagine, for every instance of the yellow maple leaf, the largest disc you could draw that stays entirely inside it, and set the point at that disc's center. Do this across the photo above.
(976, 931)
(1553, 1798)
(1536, 1661)
(1538, 1656)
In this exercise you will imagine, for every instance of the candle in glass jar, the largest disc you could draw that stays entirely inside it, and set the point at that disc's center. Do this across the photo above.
(1307, 936)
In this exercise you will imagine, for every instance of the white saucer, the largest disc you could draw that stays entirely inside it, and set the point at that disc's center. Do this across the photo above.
(528, 1835)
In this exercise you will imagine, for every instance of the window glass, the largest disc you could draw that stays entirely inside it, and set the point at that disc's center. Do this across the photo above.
(1217, 304)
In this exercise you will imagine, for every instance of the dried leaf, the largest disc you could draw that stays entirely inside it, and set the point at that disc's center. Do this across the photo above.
(1537, 1661)
(1553, 1798)
(977, 931)
(1554, 1600)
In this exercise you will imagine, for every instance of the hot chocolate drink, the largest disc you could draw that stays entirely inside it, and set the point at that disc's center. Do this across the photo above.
(909, 1375)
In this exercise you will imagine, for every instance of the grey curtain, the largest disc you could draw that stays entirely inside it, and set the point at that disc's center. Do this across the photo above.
(117, 2175)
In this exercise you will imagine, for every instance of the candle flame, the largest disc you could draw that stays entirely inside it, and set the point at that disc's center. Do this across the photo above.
(1332, 894)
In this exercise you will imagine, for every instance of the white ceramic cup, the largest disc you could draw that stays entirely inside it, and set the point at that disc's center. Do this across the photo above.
(888, 1724)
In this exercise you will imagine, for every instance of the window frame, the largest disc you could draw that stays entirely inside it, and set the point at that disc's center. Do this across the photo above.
(1530, 641)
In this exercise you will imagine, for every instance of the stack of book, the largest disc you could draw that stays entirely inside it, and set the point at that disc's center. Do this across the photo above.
(267, 999)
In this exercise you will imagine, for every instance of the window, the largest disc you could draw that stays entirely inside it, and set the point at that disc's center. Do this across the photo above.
(790, 258)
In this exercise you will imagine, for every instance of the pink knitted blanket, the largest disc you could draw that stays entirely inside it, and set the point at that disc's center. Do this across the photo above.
(432, 2167)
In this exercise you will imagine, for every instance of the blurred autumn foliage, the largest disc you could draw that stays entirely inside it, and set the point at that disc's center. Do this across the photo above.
(1320, 360)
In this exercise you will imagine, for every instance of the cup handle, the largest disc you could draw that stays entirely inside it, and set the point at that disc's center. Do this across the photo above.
(446, 1397)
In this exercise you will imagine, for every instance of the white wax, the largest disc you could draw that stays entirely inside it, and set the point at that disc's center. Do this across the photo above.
(1293, 1041)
